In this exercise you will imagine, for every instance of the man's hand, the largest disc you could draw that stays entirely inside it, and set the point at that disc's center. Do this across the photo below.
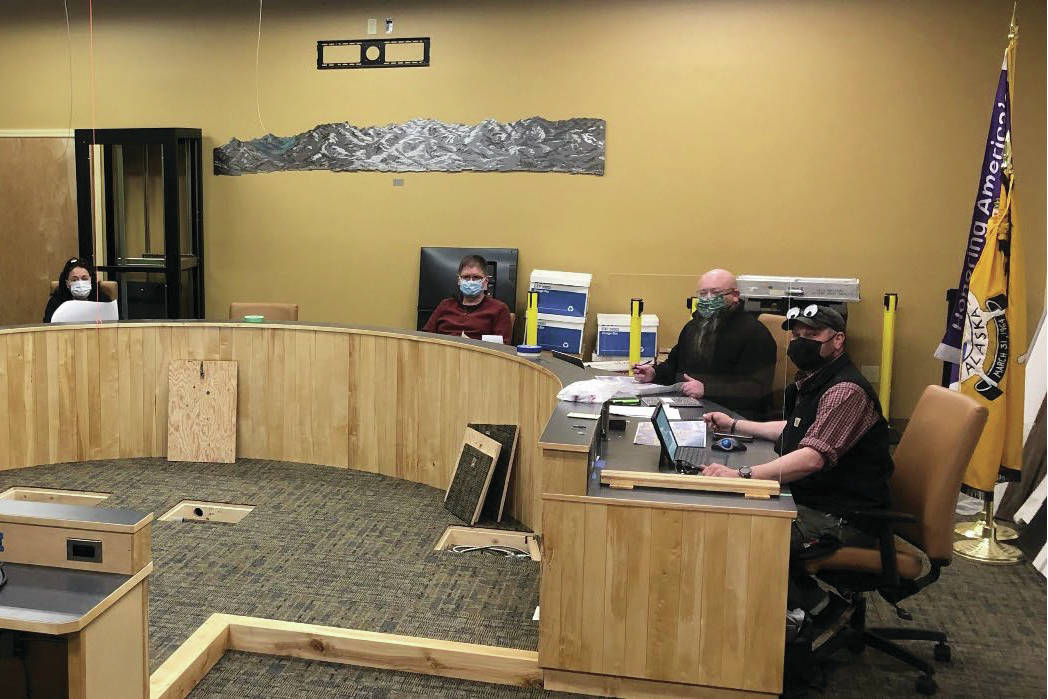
(718, 421)
(720, 470)
(692, 388)
(643, 373)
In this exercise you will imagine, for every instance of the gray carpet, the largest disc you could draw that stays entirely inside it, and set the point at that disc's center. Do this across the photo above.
(351, 549)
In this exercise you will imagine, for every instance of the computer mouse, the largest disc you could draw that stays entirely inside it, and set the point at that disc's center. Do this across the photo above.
(728, 444)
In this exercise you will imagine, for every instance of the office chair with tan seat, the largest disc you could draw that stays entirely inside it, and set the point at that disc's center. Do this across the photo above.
(110, 287)
(271, 311)
(929, 464)
(784, 368)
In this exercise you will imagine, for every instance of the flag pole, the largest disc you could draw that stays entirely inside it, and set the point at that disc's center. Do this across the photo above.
(982, 539)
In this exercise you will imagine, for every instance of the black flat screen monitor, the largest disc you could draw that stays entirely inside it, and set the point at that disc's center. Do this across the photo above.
(438, 276)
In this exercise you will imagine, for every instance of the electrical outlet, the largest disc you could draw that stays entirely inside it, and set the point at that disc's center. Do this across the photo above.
(872, 372)
(372, 26)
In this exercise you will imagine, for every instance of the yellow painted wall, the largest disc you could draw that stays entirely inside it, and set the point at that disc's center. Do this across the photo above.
(806, 137)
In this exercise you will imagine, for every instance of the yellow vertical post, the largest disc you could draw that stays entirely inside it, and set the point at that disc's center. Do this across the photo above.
(531, 319)
(891, 301)
(636, 308)
(693, 304)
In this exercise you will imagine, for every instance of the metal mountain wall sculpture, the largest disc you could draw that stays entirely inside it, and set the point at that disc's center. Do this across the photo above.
(426, 145)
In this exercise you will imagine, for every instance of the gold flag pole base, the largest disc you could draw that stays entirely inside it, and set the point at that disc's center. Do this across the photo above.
(973, 529)
(986, 547)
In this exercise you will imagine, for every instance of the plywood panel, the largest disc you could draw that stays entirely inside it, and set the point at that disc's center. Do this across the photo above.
(38, 221)
(202, 411)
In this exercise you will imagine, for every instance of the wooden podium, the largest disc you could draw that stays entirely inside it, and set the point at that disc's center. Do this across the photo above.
(74, 612)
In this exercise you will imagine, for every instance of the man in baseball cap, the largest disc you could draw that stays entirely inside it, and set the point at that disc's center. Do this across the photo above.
(833, 448)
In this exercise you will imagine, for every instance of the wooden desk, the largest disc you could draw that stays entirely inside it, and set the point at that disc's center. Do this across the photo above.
(80, 628)
(676, 593)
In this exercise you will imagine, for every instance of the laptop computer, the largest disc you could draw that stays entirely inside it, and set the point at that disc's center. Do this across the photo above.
(683, 459)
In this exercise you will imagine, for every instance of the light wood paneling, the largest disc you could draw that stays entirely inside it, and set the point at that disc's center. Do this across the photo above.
(184, 668)
(608, 686)
(663, 594)
(373, 401)
(62, 497)
(37, 222)
(106, 659)
(46, 546)
(750, 487)
(428, 656)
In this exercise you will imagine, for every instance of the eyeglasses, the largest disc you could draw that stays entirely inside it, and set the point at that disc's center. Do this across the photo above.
(472, 277)
(706, 293)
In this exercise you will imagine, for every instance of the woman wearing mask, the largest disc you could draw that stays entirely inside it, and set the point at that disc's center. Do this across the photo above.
(75, 283)
(471, 312)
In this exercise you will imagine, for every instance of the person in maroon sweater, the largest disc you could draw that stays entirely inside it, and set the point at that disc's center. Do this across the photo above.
(471, 312)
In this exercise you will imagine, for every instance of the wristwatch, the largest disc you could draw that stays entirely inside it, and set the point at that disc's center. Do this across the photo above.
(745, 472)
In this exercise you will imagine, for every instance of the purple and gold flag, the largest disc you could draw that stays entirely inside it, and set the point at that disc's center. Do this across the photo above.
(986, 332)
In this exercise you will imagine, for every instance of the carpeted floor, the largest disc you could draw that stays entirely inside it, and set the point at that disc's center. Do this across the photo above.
(351, 549)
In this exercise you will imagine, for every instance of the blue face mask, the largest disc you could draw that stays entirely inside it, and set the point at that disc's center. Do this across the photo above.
(471, 287)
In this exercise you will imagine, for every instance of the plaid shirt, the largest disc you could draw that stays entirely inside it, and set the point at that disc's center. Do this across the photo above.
(844, 415)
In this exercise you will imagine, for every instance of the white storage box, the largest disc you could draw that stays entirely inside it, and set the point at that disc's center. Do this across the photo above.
(561, 293)
(561, 333)
(613, 335)
(758, 286)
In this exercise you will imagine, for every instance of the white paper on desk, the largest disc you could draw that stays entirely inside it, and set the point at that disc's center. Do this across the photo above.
(627, 386)
(671, 413)
(655, 389)
(610, 365)
(646, 435)
(689, 433)
(631, 410)
(497, 339)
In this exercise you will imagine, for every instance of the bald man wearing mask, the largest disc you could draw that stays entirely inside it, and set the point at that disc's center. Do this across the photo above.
(723, 353)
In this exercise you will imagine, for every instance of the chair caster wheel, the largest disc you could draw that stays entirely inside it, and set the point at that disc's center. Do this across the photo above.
(942, 652)
(926, 685)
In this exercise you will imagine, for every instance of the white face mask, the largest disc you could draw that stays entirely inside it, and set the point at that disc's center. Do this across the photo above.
(80, 289)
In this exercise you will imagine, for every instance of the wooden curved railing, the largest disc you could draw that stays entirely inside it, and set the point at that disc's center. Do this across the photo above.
(373, 400)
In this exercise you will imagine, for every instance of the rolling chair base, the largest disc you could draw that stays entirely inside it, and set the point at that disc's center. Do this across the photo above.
(858, 637)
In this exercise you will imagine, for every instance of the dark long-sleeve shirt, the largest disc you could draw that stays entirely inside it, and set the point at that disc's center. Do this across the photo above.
(738, 373)
(489, 317)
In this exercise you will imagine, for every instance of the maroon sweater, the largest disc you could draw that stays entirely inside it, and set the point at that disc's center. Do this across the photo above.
(489, 317)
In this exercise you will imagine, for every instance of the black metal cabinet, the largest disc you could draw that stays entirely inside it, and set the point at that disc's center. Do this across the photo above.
(147, 230)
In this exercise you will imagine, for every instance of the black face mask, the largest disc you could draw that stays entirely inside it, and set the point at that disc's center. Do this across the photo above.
(805, 353)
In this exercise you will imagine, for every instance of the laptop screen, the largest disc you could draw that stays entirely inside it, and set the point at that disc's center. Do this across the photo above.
(662, 424)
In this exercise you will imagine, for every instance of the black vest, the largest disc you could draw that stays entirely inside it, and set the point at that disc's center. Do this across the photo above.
(860, 477)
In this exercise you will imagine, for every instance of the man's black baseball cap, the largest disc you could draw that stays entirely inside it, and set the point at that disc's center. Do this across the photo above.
(814, 316)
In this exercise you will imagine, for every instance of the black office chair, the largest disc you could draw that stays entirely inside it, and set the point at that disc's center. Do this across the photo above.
(929, 464)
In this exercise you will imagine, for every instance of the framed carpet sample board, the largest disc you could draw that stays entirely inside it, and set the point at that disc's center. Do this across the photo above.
(472, 477)
(506, 435)
(202, 411)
